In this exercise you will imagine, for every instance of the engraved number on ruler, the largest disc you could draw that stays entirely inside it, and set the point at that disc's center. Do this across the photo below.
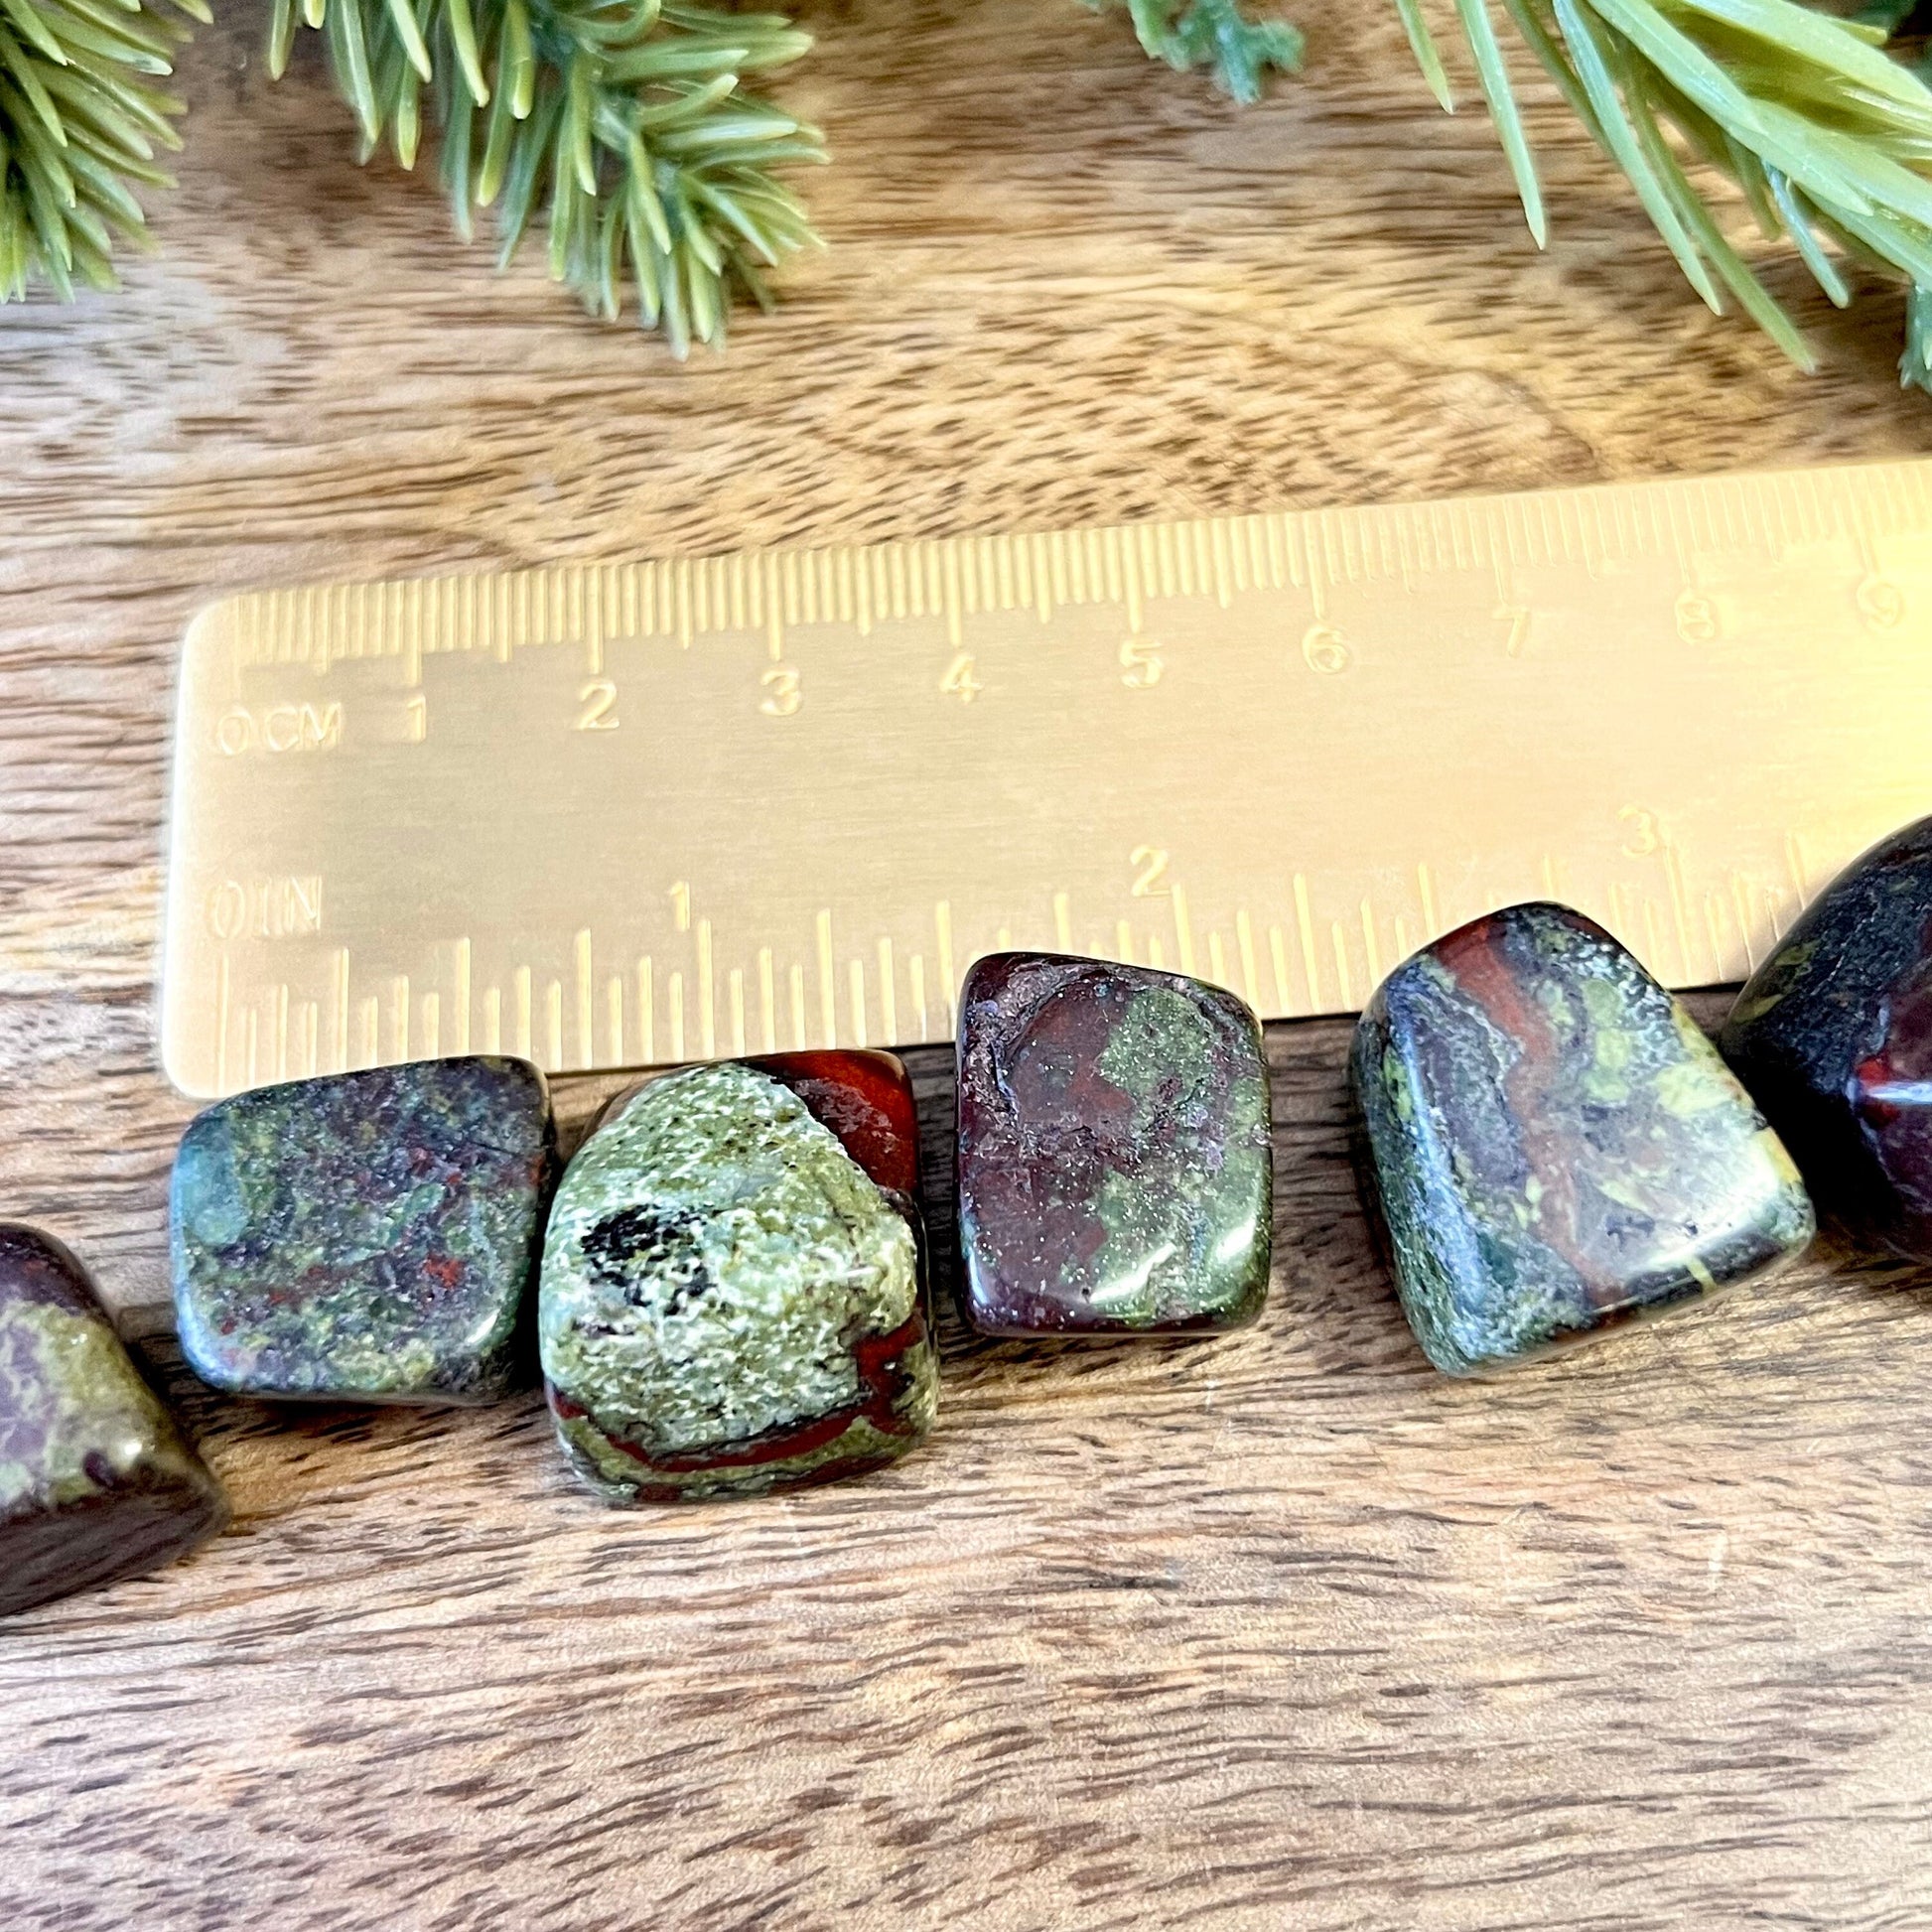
(1325, 649)
(1881, 603)
(1697, 619)
(1646, 835)
(1150, 863)
(1140, 663)
(781, 693)
(959, 682)
(597, 701)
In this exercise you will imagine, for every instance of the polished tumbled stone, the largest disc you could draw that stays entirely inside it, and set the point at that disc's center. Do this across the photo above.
(1832, 1034)
(1114, 1165)
(97, 1482)
(366, 1237)
(733, 1294)
(1554, 1145)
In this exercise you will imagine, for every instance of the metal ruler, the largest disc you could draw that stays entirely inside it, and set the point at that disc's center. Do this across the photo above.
(640, 813)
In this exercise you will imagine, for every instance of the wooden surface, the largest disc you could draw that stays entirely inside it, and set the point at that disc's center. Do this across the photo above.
(1275, 1630)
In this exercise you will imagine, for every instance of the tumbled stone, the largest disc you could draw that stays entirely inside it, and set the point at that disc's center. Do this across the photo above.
(733, 1296)
(1114, 1166)
(97, 1482)
(1832, 1034)
(366, 1237)
(1554, 1145)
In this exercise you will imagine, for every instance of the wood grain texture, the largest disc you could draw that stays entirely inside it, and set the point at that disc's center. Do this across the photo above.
(1275, 1630)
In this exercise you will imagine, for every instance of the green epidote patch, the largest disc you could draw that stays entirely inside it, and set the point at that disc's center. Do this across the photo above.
(1552, 1145)
(729, 1305)
(97, 1482)
(366, 1236)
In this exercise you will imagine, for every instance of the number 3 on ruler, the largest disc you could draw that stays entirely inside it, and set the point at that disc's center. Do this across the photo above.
(782, 694)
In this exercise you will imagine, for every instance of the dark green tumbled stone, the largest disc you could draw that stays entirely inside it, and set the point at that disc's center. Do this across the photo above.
(1114, 1166)
(734, 1297)
(1554, 1144)
(97, 1482)
(364, 1237)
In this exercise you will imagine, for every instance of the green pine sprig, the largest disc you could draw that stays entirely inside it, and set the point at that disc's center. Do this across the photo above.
(1822, 131)
(624, 125)
(1828, 137)
(81, 116)
(1220, 35)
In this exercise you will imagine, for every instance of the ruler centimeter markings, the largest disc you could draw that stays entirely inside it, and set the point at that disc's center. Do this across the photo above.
(634, 814)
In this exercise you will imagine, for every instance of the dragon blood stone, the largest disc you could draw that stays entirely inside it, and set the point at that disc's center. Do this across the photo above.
(1832, 1034)
(734, 1293)
(1554, 1144)
(97, 1482)
(366, 1237)
(1114, 1166)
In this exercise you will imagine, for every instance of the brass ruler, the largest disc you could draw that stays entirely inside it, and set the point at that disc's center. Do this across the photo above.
(639, 813)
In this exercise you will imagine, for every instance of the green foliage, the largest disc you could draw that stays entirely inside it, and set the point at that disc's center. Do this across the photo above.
(1826, 135)
(625, 122)
(80, 117)
(1215, 34)
(627, 128)
(1823, 132)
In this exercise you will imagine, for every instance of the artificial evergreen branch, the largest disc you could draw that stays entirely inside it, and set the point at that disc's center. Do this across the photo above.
(1216, 34)
(626, 123)
(80, 117)
(1825, 134)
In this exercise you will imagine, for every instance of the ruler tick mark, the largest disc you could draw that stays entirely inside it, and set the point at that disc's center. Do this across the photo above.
(707, 1027)
(888, 996)
(1278, 963)
(828, 999)
(1341, 962)
(1305, 920)
(768, 1002)
(586, 975)
(856, 971)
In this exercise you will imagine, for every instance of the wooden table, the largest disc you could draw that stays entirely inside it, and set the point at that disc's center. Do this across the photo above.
(1277, 1630)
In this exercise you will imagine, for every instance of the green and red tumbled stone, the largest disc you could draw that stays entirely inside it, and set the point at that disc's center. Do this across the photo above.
(733, 1296)
(1832, 1034)
(1114, 1166)
(367, 1236)
(96, 1481)
(1552, 1144)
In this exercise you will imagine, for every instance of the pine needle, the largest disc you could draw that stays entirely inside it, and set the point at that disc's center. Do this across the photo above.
(81, 116)
(1826, 134)
(1219, 35)
(624, 126)
(1823, 132)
